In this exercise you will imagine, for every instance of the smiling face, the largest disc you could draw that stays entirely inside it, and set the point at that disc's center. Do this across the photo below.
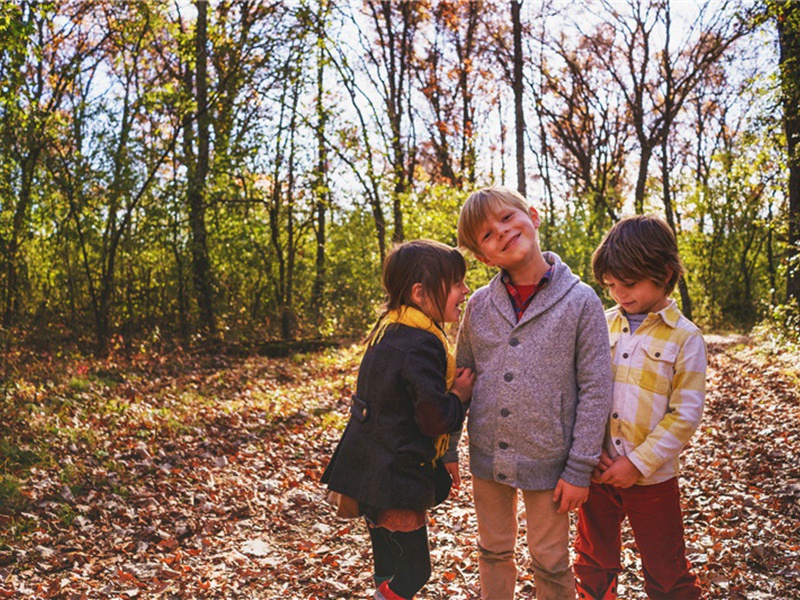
(451, 312)
(507, 238)
(638, 297)
(455, 298)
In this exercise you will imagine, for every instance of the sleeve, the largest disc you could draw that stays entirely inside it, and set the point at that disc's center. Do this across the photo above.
(684, 411)
(593, 378)
(436, 410)
(464, 358)
(464, 355)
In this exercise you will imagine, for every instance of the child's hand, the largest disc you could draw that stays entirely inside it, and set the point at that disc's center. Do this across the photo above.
(570, 496)
(622, 473)
(463, 384)
(602, 466)
(455, 475)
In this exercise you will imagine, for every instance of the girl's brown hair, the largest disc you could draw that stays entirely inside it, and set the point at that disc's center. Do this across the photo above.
(638, 248)
(434, 265)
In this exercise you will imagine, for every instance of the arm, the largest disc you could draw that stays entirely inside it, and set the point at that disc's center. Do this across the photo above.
(436, 410)
(593, 379)
(684, 410)
(464, 359)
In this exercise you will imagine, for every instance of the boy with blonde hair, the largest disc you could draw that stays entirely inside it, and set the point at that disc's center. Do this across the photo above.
(659, 365)
(536, 338)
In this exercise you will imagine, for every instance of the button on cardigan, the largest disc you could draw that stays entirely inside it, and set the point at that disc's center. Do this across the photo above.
(543, 385)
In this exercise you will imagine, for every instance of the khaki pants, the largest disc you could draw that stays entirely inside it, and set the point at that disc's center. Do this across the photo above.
(548, 542)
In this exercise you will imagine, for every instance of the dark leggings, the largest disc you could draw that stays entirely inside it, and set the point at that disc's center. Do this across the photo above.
(402, 557)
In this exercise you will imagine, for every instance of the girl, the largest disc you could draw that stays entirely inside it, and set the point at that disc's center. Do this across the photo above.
(390, 456)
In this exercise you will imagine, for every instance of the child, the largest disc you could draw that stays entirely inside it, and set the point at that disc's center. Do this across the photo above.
(659, 365)
(390, 456)
(536, 338)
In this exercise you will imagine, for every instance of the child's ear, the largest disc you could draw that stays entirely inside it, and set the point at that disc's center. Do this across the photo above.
(484, 260)
(418, 294)
(535, 217)
(670, 273)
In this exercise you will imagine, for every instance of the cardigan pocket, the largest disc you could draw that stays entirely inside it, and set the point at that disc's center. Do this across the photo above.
(359, 409)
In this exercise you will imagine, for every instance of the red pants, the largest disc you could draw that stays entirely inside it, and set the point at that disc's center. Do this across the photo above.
(654, 513)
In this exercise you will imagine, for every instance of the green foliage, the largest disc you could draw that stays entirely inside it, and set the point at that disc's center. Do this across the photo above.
(779, 331)
(14, 457)
(434, 214)
(735, 224)
(100, 243)
(11, 499)
(574, 237)
(353, 277)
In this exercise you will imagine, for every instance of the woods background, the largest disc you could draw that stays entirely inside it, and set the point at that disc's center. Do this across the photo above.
(234, 171)
(182, 182)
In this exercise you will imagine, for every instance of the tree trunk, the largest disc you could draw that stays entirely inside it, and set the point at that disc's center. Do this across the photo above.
(20, 222)
(320, 175)
(789, 39)
(201, 263)
(519, 117)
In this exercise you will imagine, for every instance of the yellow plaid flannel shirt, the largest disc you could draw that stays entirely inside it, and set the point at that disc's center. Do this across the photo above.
(659, 390)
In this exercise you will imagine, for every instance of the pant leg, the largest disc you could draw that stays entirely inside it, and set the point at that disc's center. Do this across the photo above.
(654, 512)
(548, 543)
(598, 542)
(496, 511)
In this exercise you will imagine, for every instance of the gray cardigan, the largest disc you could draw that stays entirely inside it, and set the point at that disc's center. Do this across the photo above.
(543, 388)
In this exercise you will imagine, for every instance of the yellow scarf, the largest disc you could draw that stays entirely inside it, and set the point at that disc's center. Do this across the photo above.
(412, 317)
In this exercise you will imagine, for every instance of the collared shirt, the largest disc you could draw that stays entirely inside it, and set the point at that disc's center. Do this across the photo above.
(522, 295)
(659, 390)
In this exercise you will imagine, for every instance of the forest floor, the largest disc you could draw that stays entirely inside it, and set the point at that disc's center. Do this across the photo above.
(181, 476)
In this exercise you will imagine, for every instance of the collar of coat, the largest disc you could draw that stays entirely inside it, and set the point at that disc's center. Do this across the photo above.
(413, 317)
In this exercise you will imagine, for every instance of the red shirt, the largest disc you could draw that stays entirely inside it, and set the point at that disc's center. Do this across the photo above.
(522, 295)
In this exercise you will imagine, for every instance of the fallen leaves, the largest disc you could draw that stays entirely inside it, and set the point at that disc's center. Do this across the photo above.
(192, 477)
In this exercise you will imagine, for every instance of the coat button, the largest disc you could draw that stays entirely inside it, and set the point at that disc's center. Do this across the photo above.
(658, 354)
(503, 445)
(625, 355)
(625, 329)
(505, 412)
(514, 342)
(508, 376)
(615, 416)
(617, 442)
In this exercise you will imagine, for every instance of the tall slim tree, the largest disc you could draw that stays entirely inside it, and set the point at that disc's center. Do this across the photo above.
(322, 195)
(396, 24)
(519, 89)
(197, 155)
(787, 15)
(448, 70)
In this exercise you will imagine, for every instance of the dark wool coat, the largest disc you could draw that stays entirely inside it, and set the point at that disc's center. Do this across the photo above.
(384, 458)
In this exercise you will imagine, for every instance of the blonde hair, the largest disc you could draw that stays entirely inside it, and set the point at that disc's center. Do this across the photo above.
(639, 248)
(477, 208)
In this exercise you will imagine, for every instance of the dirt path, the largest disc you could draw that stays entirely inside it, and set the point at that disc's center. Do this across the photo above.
(233, 510)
